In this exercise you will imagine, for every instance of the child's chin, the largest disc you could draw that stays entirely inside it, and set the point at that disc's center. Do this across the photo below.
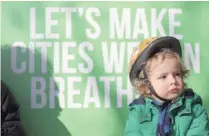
(173, 97)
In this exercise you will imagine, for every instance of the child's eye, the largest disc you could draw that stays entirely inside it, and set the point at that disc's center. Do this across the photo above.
(162, 77)
(178, 74)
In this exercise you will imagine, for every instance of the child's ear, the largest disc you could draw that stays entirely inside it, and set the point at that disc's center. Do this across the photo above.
(148, 91)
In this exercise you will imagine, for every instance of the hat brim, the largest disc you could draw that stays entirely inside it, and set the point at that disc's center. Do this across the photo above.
(154, 47)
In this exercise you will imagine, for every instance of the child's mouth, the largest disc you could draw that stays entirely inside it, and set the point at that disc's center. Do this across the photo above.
(174, 90)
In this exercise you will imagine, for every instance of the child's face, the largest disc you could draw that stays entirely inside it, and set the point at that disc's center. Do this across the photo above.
(165, 77)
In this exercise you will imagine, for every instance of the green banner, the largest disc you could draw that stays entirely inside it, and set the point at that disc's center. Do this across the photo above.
(67, 62)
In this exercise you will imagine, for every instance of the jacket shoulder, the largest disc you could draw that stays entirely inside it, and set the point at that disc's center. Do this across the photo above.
(4, 91)
(195, 100)
(193, 97)
(8, 102)
(139, 101)
(136, 103)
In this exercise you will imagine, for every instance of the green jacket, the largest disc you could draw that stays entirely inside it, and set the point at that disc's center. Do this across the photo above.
(188, 116)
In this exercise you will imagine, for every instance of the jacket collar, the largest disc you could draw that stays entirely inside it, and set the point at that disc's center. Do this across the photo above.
(182, 105)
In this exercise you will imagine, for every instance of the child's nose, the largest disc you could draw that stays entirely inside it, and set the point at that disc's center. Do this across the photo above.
(172, 80)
